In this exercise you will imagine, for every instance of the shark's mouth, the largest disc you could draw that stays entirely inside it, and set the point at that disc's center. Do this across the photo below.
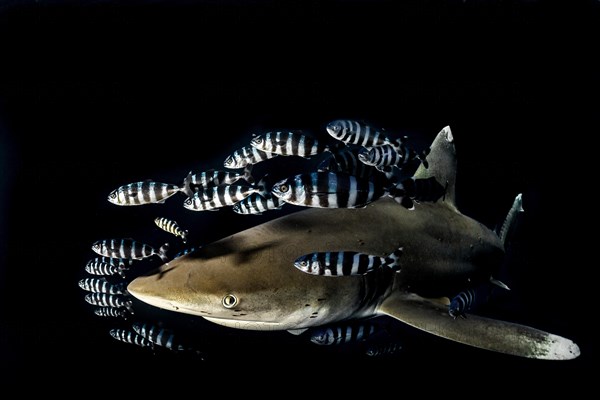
(246, 324)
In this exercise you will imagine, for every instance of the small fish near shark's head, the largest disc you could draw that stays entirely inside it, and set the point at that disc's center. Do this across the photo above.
(248, 280)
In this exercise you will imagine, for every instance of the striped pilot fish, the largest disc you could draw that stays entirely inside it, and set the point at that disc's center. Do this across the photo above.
(158, 336)
(289, 144)
(109, 300)
(357, 133)
(346, 263)
(219, 196)
(112, 312)
(346, 160)
(343, 333)
(215, 177)
(411, 190)
(130, 337)
(102, 285)
(172, 227)
(247, 155)
(107, 266)
(129, 249)
(461, 303)
(328, 190)
(257, 204)
(146, 192)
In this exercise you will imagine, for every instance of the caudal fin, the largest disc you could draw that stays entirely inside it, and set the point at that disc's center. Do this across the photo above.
(162, 252)
(186, 186)
(393, 260)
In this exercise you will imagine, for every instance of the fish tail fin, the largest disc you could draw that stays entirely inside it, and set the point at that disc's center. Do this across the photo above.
(393, 260)
(423, 157)
(400, 195)
(261, 187)
(248, 174)
(129, 306)
(162, 252)
(184, 236)
(186, 186)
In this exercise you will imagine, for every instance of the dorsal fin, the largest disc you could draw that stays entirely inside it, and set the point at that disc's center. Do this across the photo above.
(442, 164)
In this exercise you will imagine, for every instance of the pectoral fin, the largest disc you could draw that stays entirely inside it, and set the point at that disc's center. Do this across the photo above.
(486, 333)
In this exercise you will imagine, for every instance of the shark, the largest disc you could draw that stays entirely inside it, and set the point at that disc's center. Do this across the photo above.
(248, 281)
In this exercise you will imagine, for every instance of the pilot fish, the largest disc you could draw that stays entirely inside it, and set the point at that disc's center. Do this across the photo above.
(107, 311)
(146, 192)
(128, 249)
(107, 266)
(344, 263)
(342, 333)
(218, 196)
(109, 300)
(172, 227)
(257, 203)
(130, 337)
(159, 336)
(102, 285)
(328, 190)
(357, 133)
(289, 144)
(215, 177)
(245, 156)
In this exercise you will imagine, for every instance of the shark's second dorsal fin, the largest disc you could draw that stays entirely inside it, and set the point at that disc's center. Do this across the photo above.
(441, 164)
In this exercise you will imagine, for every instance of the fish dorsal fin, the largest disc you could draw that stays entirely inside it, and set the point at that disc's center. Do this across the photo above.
(441, 164)
(486, 333)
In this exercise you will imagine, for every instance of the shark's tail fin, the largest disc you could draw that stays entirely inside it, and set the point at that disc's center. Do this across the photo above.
(509, 221)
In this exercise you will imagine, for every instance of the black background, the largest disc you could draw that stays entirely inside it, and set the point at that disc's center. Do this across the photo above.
(97, 94)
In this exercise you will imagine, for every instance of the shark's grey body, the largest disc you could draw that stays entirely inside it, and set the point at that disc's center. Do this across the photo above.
(248, 280)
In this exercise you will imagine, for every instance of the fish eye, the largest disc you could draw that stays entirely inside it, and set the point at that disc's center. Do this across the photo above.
(283, 188)
(229, 301)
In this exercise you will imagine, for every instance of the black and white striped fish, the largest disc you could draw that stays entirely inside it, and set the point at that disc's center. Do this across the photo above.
(412, 190)
(461, 303)
(357, 133)
(247, 155)
(328, 190)
(380, 156)
(172, 227)
(346, 263)
(386, 349)
(130, 337)
(257, 204)
(214, 177)
(102, 285)
(346, 160)
(112, 312)
(343, 333)
(107, 266)
(289, 144)
(219, 196)
(129, 249)
(160, 336)
(109, 300)
(146, 192)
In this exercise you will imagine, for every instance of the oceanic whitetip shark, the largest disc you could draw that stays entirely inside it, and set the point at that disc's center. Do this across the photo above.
(248, 280)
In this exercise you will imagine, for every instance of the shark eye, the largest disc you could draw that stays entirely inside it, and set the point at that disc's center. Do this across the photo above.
(229, 301)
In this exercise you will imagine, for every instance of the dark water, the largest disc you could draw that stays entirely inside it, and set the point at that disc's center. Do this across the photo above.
(101, 94)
